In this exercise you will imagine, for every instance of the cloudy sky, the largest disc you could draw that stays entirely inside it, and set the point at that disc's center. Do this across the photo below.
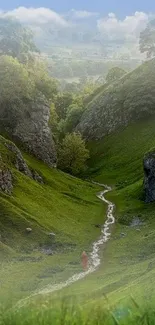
(120, 7)
(116, 19)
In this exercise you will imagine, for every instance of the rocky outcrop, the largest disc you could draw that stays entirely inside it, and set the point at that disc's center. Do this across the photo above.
(149, 176)
(29, 127)
(125, 101)
(6, 181)
(19, 161)
(15, 158)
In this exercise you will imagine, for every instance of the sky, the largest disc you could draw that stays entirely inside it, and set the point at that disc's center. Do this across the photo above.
(119, 7)
(114, 19)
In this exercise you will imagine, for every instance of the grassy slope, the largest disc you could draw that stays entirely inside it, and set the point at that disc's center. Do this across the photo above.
(63, 205)
(128, 262)
(128, 265)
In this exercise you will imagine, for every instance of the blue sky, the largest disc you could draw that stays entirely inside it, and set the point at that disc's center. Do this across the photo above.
(120, 7)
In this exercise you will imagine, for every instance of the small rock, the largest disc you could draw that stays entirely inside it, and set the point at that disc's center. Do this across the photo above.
(98, 226)
(123, 234)
(28, 230)
(47, 251)
(51, 234)
(138, 229)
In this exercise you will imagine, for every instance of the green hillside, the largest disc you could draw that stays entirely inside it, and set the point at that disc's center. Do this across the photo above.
(63, 205)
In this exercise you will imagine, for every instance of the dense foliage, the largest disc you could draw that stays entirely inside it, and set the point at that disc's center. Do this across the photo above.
(72, 154)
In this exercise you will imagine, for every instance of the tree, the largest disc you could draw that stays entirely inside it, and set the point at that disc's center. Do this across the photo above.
(72, 154)
(15, 40)
(73, 116)
(62, 102)
(147, 40)
(115, 74)
(14, 80)
(44, 83)
(16, 89)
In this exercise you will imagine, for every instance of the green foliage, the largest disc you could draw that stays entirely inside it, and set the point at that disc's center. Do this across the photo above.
(14, 80)
(72, 154)
(72, 119)
(115, 74)
(16, 88)
(62, 102)
(147, 40)
(15, 40)
(53, 122)
(43, 82)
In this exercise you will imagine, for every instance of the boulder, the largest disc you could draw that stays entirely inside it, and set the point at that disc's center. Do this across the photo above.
(149, 176)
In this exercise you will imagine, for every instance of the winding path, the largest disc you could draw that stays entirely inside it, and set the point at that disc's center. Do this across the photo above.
(94, 260)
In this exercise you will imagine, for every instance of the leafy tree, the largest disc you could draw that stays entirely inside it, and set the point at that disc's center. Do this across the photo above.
(15, 40)
(14, 80)
(147, 40)
(72, 154)
(44, 83)
(16, 88)
(62, 102)
(115, 74)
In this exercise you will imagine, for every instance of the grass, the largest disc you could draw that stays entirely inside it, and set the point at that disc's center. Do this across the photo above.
(70, 311)
(63, 205)
(128, 260)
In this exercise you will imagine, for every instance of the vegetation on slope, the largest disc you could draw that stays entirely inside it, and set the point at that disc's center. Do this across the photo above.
(129, 99)
(63, 205)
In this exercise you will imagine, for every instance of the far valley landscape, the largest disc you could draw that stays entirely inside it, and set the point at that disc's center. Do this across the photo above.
(77, 168)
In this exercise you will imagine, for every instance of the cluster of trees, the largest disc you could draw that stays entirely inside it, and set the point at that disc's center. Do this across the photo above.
(147, 40)
(75, 68)
(24, 77)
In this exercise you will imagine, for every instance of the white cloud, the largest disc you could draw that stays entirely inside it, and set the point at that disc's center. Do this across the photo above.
(127, 28)
(81, 14)
(36, 16)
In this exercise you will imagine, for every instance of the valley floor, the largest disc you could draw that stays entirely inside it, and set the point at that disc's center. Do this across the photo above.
(128, 260)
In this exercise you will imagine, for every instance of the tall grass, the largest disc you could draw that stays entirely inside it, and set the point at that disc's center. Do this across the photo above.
(71, 312)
